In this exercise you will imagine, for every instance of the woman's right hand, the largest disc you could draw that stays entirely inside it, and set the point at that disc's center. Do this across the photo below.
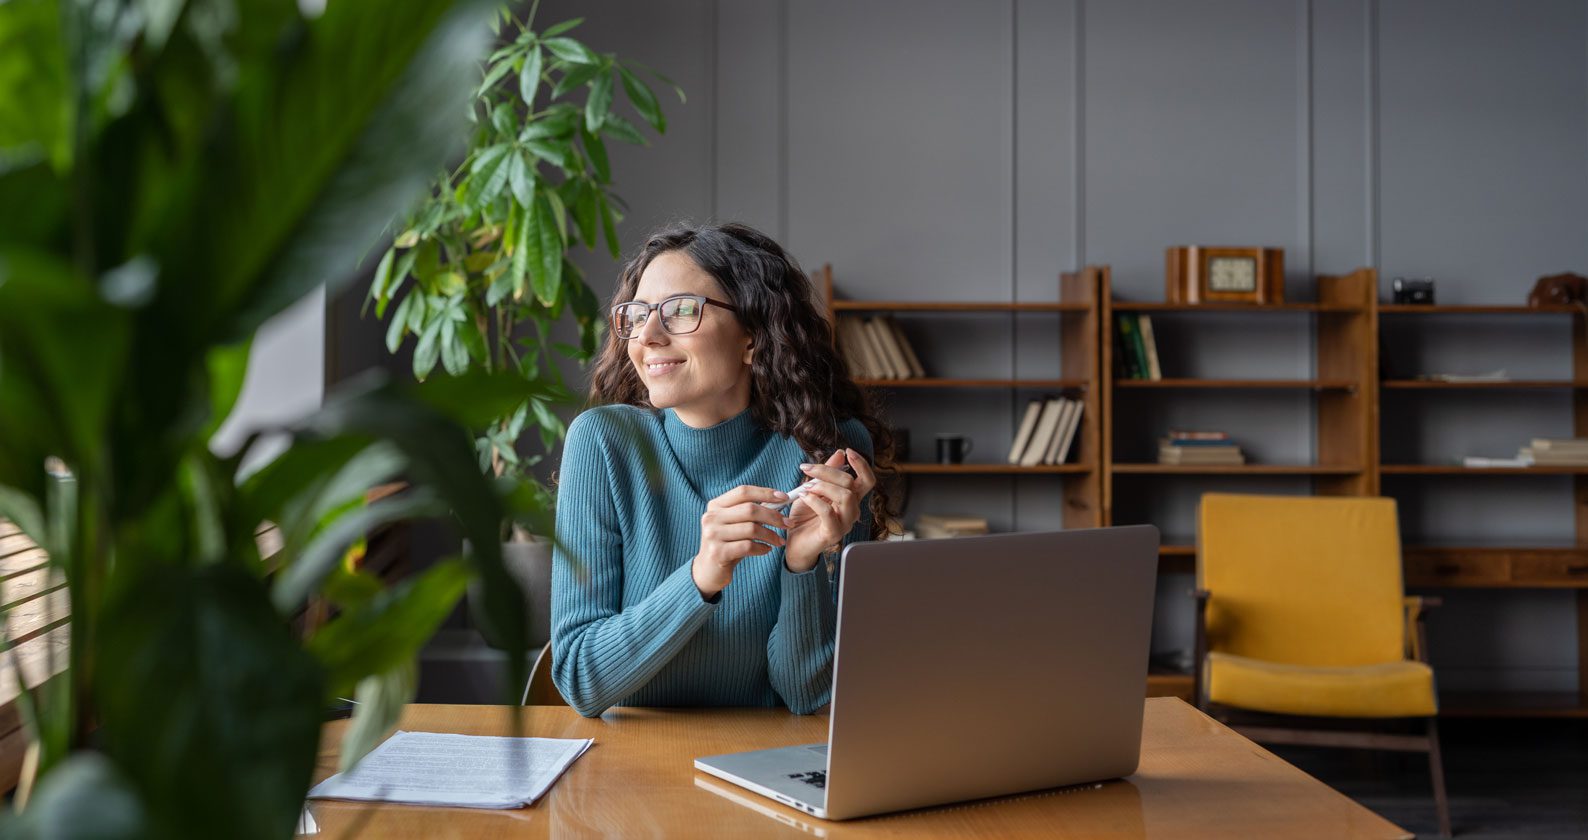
(735, 526)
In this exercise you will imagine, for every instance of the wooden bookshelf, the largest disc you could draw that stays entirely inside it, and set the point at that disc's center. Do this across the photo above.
(1077, 309)
(1319, 306)
(1500, 566)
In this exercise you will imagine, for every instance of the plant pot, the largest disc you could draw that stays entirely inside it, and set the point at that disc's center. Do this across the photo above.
(530, 564)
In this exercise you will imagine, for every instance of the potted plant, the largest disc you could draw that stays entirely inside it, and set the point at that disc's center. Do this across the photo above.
(172, 175)
(480, 275)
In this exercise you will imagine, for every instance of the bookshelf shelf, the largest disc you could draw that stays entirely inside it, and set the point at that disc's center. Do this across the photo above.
(1233, 469)
(952, 306)
(1456, 469)
(1233, 384)
(1419, 309)
(1510, 384)
(1140, 306)
(992, 469)
(930, 382)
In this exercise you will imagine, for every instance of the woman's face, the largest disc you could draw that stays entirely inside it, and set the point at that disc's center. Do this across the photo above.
(704, 376)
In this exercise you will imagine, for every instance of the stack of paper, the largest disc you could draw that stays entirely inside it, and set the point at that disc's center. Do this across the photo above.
(462, 771)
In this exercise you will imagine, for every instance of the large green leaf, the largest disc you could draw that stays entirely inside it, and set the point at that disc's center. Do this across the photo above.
(85, 798)
(202, 688)
(336, 141)
(546, 250)
(388, 632)
(598, 104)
(381, 698)
(57, 389)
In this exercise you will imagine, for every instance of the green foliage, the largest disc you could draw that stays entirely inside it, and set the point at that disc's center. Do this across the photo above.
(172, 174)
(486, 252)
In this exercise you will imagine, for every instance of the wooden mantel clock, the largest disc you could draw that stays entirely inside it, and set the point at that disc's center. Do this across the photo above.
(1199, 274)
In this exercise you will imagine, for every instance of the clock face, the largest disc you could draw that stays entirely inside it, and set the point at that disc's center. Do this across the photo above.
(1232, 274)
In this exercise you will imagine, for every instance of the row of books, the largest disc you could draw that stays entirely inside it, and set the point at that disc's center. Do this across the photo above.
(1543, 452)
(1198, 447)
(875, 348)
(1137, 355)
(933, 527)
(1046, 431)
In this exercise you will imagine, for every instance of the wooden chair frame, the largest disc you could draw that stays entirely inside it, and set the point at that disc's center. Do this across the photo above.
(1331, 732)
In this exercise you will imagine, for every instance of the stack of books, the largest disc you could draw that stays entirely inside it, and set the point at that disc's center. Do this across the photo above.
(1189, 447)
(1046, 432)
(1562, 452)
(875, 348)
(933, 527)
(1136, 356)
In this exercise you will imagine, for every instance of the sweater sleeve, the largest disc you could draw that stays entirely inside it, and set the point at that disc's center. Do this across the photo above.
(800, 650)
(600, 652)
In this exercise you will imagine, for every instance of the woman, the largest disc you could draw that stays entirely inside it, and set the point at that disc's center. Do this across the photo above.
(720, 389)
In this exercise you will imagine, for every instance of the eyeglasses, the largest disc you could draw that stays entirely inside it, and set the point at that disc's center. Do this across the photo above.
(680, 315)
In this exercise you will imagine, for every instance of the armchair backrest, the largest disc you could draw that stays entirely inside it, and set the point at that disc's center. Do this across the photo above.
(1303, 580)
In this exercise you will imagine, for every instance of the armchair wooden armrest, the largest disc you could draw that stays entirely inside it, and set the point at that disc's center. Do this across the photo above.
(1199, 649)
(1416, 630)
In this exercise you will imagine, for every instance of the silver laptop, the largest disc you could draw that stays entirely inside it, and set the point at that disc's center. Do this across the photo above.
(974, 667)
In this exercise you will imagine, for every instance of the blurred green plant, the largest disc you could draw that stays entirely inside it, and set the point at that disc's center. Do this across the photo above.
(486, 252)
(172, 174)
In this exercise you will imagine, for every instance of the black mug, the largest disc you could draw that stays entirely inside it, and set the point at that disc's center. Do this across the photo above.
(952, 449)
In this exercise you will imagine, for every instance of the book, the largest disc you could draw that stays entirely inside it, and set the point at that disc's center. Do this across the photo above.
(461, 771)
(1046, 425)
(880, 344)
(1028, 424)
(868, 355)
(1559, 445)
(1178, 435)
(890, 347)
(914, 361)
(854, 363)
(1051, 451)
(934, 527)
(1151, 344)
(1069, 433)
(1133, 365)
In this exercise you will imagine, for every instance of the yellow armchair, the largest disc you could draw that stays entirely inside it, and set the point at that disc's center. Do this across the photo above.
(1301, 612)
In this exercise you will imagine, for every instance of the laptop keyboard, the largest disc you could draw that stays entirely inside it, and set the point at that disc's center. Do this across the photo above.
(814, 778)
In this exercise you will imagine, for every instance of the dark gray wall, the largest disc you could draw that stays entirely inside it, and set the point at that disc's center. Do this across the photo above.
(951, 150)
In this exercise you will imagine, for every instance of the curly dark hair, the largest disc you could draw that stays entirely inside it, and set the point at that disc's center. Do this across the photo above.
(794, 345)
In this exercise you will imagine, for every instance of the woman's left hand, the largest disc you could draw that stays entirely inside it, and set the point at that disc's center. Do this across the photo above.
(824, 516)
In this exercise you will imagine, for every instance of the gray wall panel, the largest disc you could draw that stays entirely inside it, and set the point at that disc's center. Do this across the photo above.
(1483, 130)
(899, 155)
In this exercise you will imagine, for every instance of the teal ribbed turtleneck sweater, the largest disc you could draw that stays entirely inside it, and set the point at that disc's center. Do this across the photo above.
(628, 625)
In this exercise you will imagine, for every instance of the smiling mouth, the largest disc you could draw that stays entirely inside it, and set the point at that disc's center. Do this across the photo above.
(662, 367)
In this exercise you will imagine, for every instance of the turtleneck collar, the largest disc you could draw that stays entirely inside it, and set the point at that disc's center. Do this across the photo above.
(716, 453)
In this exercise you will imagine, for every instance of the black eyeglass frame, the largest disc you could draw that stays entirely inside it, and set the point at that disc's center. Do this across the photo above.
(700, 300)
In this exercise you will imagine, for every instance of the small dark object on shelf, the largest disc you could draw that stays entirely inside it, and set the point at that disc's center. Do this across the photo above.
(1418, 290)
(1558, 290)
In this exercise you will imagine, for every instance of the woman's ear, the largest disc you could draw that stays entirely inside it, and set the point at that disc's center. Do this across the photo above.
(749, 350)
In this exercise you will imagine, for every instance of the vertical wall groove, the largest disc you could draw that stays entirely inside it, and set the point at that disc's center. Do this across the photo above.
(1372, 120)
(1078, 144)
(783, 122)
(714, 65)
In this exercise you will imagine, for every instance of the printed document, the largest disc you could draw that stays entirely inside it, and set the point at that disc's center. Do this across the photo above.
(462, 771)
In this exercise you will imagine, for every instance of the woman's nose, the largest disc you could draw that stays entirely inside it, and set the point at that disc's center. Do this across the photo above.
(651, 331)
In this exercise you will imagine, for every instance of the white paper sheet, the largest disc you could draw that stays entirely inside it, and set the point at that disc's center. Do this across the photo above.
(465, 771)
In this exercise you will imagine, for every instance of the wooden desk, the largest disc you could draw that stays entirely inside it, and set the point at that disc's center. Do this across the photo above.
(1197, 779)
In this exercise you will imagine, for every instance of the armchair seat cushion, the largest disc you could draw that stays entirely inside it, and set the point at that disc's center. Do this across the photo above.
(1390, 689)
